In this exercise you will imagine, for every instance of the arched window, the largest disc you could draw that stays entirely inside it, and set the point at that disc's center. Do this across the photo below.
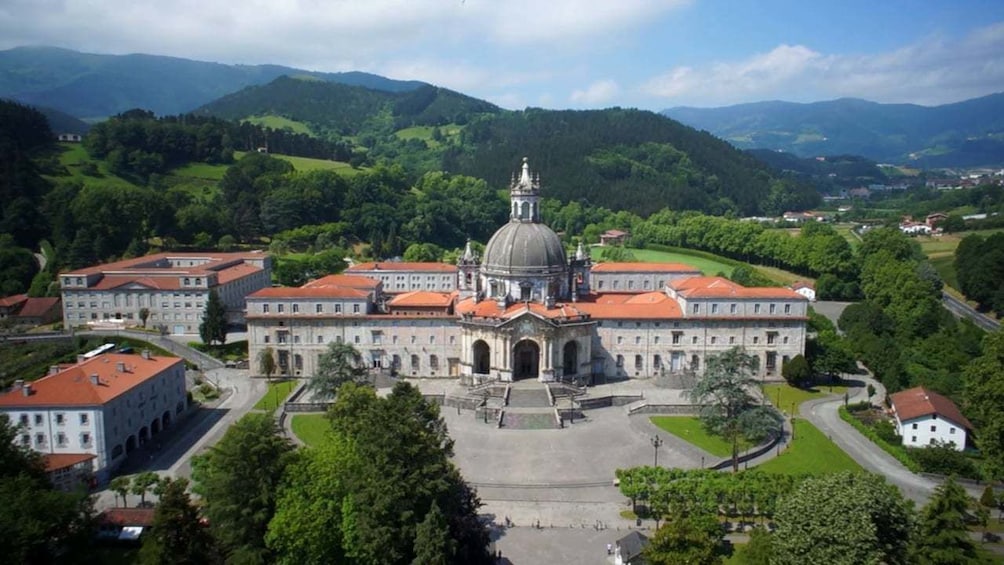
(414, 362)
(695, 362)
(524, 213)
(433, 362)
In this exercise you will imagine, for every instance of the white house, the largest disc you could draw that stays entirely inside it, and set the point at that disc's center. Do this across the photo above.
(806, 289)
(925, 418)
(104, 406)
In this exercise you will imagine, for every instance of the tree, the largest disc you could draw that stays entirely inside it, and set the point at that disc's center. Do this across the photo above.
(266, 362)
(692, 539)
(120, 485)
(984, 402)
(238, 480)
(942, 536)
(796, 371)
(843, 518)
(214, 320)
(144, 315)
(433, 545)
(341, 363)
(989, 499)
(727, 407)
(142, 483)
(178, 535)
(759, 549)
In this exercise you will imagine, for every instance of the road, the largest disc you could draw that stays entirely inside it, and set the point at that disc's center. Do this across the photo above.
(963, 310)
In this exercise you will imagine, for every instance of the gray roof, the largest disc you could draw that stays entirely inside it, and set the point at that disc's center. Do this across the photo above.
(524, 248)
(632, 545)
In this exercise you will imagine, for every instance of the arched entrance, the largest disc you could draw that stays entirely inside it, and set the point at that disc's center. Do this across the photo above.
(571, 358)
(165, 420)
(525, 360)
(130, 444)
(481, 355)
(155, 427)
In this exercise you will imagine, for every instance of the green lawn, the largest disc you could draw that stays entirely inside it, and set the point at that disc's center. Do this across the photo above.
(278, 391)
(281, 123)
(944, 263)
(311, 428)
(689, 428)
(201, 171)
(707, 266)
(784, 396)
(308, 164)
(811, 453)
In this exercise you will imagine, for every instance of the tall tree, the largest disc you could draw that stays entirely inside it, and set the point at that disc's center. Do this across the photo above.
(339, 364)
(120, 486)
(843, 519)
(796, 371)
(142, 483)
(178, 536)
(238, 480)
(266, 362)
(214, 320)
(728, 407)
(144, 315)
(984, 402)
(693, 539)
(942, 537)
(433, 545)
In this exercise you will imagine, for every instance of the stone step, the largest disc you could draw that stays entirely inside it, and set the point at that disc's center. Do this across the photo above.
(529, 420)
(529, 398)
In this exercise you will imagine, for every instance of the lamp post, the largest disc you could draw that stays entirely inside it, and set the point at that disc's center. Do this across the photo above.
(656, 443)
(485, 407)
(571, 409)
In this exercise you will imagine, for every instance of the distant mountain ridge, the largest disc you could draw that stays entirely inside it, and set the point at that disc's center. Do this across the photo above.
(87, 85)
(967, 133)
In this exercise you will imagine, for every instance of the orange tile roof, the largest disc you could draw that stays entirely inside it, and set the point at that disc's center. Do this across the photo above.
(639, 267)
(351, 281)
(56, 461)
(404, 266)
(718, 287)
(73, 387)
(797, 285)
(127, 517)
(308, 292)
(236, 272)
(9, 301)
(650, 305)
(918, 402)
(159, 283)
(35, 307)
(139, 263)
(423, 298)
(490, 309)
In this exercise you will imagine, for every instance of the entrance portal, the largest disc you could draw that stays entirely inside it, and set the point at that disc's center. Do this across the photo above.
(482, 358)
(571, 358)
(525, 360)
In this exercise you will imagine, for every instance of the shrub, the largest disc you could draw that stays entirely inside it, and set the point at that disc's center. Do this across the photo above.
(894, 449)
(887, 431)
(943, 459)
(862, 406)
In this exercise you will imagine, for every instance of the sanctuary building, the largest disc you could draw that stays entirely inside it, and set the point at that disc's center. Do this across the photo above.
(526, 310)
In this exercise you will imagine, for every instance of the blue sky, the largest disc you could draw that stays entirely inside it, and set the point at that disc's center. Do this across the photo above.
(650, 54)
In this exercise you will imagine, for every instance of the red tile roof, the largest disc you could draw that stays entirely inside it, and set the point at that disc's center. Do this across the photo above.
(236, 272)
(798, 285)
(351, 281)
(56, 461)
(650, 305)
(127, 517)
(427, 298)
(73, 387)
(37, 307)
(639, 267)
(404, 266)
(309, 292)
(918, 402)
(9, 301)
(145, 263)
(718, 287)
(159, 283)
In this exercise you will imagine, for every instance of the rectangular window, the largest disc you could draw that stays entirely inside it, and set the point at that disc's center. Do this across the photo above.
(85, 440)
(356, 339)
(773, 308)
(934, 428)
(320, 339)
(355, 308)
(915, 425)
(39, 439)
(24, 419)
(677, 336)
(913, 439)
(432, 340)
(267, 339)
(697, 308)
(714, 339)
(638, 362)
(756, 340)
(655, 339)
(732, 340)
(756, 308)
(732, 308)
(951, 431)
(38, 419)
(376, 337)
(280, 308)
(657, 361)
(620, 339)
(787, 308)
(84, 419)
(620, 360)
(338, 308)
(296, 308)
(693, 340)
(714, 308)
(318, 308)
(25, 440)
(60, 419)
(61, 439)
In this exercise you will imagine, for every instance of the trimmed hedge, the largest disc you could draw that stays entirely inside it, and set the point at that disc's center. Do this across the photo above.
(896, 451)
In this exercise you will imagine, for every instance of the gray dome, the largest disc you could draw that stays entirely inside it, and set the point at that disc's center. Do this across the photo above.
(524, 248)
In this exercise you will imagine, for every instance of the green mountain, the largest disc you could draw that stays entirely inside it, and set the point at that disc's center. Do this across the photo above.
(968, 133)
(86, 85)
(615, 158)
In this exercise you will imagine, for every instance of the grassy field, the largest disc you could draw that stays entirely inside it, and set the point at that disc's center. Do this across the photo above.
(201, 171)
(689, 428)
(304, 164)
(425, 133)
(811, 453)
(784, 396)
(707, 266)
(281, 123)
(74, 157)
(277, 393)
(310, 428)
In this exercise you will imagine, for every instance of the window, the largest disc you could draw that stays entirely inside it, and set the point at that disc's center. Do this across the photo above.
(356, 339)
(61, 439)
(951, 431)
(732, 340)
(714, 308)
(913, 439)
(657, 361)
(787, 308)
(318, 308)
(24, 419)
(355, 308)
(620, 339)
(84, 419)
(771, 338)
(338, 308)
(38, 419)
(630, 285)
(320, 339)
(676, 337)
(756, 308)
(697, 308)
(414, 362)
(732, 308)
(756, 339)
(377, 337)
(655, 339)
(433, 362)
(281, 308)
(432, 340)
(296, 308)
(714, 339)
(695, 362)
(413, 339)
(39, 439)
(915, 425)
(267, 339)
(934, 428)
(693, 340)
(393, 339)
(637, 340)
(773, 308)
(296, 339)
(25, 440)
(620, 360)
(784, 340)
(638, 362)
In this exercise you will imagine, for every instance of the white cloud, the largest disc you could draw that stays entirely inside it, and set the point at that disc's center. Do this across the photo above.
(932, 71)
(599, 92)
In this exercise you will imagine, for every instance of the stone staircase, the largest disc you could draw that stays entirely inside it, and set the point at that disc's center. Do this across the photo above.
(529, 408)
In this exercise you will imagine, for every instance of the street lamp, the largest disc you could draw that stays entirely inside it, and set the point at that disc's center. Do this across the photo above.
(656, 443)
(485, 407)
(571, 410)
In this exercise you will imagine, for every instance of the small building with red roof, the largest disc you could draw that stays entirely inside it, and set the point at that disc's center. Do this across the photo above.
(104, 406)
(172, 287)
(925, 418)
(23, 310)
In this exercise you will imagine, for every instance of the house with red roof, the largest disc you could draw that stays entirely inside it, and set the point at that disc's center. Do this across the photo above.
(172, 287)
(925, 418)
(23, 310)
(613, 237)
(97, 410)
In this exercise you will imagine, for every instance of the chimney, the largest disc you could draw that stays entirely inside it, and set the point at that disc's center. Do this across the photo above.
(18, 383)
(26, 389)
(120, 367)
(81, 359)
(146, 354)
(53, 369)
(94, 379)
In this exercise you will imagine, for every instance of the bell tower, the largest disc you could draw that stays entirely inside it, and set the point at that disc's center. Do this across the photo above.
(524, 196)
(469, 269)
